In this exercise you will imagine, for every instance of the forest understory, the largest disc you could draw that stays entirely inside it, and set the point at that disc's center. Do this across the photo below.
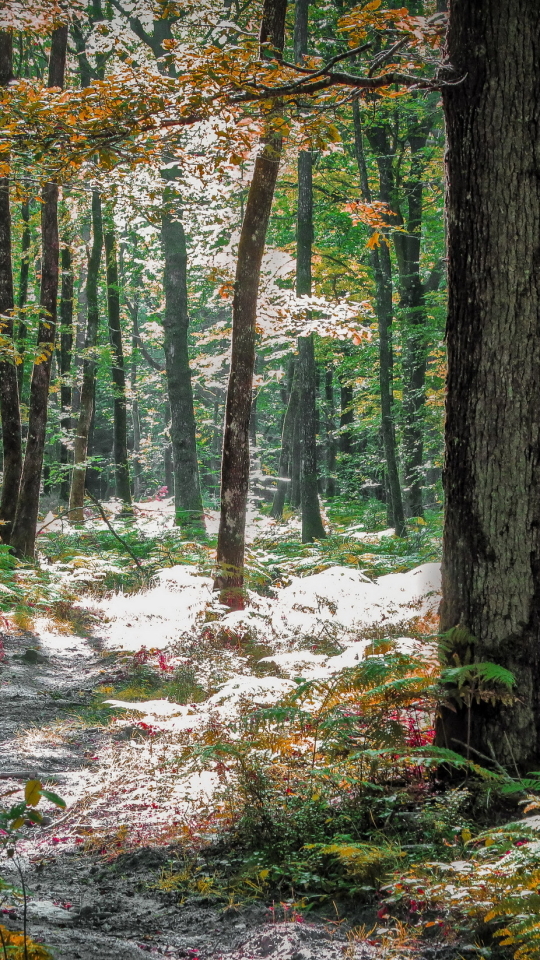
(210, 761)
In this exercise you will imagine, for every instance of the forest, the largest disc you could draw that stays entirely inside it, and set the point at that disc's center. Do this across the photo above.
(269, 512)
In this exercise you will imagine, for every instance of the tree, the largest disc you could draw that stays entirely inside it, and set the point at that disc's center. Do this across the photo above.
(23, 534)
(312, 525)
(9, 390)
(235, 462)
(491, 547)
(120, 449)
(87, 393)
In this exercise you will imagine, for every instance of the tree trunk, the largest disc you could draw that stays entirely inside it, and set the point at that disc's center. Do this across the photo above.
(22, 299)
(382, 272)
(9, 390)
(285, 458)
(312, 525)
(66, 346)
(407, 244)
(135, 416)
(120, 448)
(187, 491)
(86, 403)
(235, 462)
(24, 525)
(331, 485)
(491, 546)
(346, 416)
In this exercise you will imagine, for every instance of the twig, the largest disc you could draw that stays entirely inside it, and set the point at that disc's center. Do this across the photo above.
(483, 757)
(113, 531)
(61, 516)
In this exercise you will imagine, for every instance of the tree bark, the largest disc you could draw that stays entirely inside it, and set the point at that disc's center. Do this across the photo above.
(235, 461)
(346, 416)
(23, 536)
(491, 545)
(120, 447)
(9, 390)
(187, 490)
(66, 347)
(86, 403)
(135, 415)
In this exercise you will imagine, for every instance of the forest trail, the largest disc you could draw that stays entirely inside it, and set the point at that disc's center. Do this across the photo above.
(85, 898)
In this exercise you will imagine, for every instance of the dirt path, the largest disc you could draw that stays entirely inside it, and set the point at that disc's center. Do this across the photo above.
(81, 904)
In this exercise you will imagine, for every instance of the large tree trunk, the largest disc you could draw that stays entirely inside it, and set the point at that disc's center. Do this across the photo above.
(187, 492)
(120, 448)
(86, 401)
(9, 390)
(23, 536)
(491, 548)
(382, 272)
(66, 347)
(235, 462)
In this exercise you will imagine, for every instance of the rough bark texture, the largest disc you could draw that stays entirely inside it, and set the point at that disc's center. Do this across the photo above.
(9, 390)
(66, 347)
(235, 461)
(187, 491)
(120, 446)
(491, 550)
(23, 536)
(86, 401)
(135, 417)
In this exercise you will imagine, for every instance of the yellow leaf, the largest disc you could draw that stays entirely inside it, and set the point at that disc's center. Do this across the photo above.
(263, 874)
(373, 240)
(374, 5)
(32, 792)
(17, 823)
(466, 835)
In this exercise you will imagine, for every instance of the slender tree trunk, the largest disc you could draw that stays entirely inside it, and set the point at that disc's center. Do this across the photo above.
(120, 448)
(407, 244)
(9, 391)
(284, 479)
(346, 416)
(382, 271)
(295, 490)
(187, 490)
(135, 415)
(86, 405)
(24, 525)
(66, 347)
(491, 544)
(312, 525)
(331, 485)
(22, 299)
(235, 462)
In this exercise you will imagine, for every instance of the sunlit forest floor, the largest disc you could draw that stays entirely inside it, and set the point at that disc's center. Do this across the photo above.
(248, 784)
